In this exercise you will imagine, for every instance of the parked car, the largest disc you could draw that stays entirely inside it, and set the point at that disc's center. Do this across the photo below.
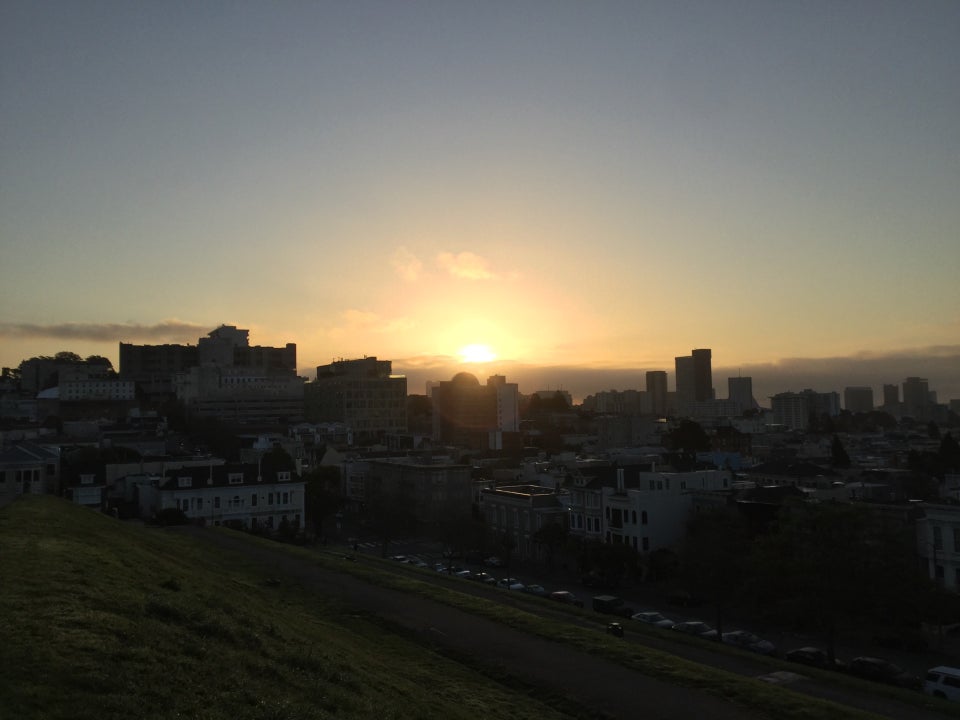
(567, 597)
(484, 577)
(464, 573)
(652, 617)
(695, 627)
(884, 671)
(943, 682)
(535, 590)
(749, 641)
(493, 561)
(615, 629)
(510, 584)
(607, 604)
(814, 657)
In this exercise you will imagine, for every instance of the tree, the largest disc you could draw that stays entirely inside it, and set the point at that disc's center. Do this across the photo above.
(552, 536)
(714, 558)
(66, 356)
(390, 511)
(838, 453)
(323, 497)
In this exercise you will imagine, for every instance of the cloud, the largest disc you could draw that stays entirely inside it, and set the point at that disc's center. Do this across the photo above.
(465, 265)
(173, 331)
(366, 321)
(406, 264)
(938, 364)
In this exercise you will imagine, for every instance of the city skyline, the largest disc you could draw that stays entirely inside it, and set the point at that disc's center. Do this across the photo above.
(576, 196)
(768, 379)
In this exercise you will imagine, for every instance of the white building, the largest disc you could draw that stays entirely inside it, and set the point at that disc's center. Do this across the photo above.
(234, 495)
(938, 543)
(642, 509)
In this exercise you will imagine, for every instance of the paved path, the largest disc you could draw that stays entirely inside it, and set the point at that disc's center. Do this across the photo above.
(597, 684)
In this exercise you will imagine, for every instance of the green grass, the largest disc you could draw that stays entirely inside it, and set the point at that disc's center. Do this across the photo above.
(103, 620)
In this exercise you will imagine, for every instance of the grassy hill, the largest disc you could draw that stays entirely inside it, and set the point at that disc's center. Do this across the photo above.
(106, 620)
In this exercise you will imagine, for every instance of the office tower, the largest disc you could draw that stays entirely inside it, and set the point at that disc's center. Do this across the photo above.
(858, 399)
(916, 397)
(702, 375)
(740, 391)
(684, 377)
(891, 396)
(657, 391)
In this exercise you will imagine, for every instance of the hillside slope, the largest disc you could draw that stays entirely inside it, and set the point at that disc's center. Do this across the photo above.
(107, 620)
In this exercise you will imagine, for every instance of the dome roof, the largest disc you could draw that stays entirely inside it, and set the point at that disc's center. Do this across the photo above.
(465, 378)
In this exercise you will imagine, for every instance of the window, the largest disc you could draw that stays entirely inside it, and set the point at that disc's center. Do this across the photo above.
(269, 498)
(634, 517)
(216, 502)
(937, 538)
(956, 539)
(643, 517)
(253, 500)
(646, 544)
(184, 482)
(286, 498)
(283, 475)
(235, 478)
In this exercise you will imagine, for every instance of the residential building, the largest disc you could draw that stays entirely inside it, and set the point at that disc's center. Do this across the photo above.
(938, 544)
(364, 394)
(435, 491)
(465, 413)
(28, 469)
(517, 512)
(791, 410)
(639, 507)
(243, 496)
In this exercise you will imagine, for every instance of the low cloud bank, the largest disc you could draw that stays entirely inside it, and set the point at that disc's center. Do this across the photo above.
(170, 331)
(939, 365)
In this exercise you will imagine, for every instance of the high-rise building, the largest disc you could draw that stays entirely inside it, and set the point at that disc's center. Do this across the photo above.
(891, 396)
(740, 391)
(657, 391)
(791, 410)
(364, 394)
(702, 375)
(684, 377)
(858, 399)
(694, 379)
(916, 397)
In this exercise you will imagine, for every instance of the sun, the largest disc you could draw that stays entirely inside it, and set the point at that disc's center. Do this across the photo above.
(476, 354)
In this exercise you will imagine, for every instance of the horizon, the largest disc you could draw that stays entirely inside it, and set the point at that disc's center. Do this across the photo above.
(581, 191)
(939, 365)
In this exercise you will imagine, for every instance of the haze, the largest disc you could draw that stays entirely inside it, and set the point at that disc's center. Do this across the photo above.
(589, 189)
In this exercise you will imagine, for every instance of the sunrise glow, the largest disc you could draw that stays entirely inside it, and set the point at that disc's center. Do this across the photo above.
(476, 354)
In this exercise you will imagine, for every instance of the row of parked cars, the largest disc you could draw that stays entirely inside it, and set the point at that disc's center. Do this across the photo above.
(941, 681)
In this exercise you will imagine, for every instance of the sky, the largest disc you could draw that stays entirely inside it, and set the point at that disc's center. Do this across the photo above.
(580, 190)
